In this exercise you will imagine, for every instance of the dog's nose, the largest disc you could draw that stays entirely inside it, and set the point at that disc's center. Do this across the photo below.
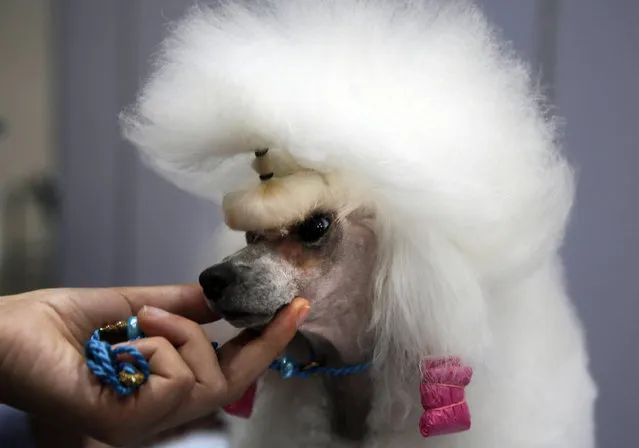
(216, 279)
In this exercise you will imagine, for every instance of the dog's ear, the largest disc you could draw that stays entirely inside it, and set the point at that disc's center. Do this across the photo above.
(429, 300)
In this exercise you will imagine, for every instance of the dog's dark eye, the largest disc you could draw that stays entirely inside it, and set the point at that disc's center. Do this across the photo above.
(314, 228)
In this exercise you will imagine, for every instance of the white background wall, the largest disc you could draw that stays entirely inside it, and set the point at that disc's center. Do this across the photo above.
(124, 225)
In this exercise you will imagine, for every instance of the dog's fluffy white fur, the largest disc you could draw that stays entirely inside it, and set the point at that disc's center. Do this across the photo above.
(421, 105)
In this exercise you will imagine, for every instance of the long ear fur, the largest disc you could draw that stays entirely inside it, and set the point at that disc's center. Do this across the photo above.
(428, 300)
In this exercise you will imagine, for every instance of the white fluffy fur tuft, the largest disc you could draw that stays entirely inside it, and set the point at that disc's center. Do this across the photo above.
(423, 107)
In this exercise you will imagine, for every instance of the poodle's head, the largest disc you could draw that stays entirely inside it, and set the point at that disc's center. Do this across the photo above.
(415, 169)
(305, 235)
(326, 257)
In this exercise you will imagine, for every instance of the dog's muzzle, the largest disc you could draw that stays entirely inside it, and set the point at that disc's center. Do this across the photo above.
(245, 294)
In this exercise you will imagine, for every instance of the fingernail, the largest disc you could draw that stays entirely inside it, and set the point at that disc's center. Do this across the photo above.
(153, 311)
(302, 314)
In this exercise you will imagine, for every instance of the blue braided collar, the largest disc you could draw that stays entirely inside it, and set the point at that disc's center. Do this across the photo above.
(289, 368)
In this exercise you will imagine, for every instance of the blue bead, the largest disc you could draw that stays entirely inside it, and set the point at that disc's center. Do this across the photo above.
(287, 368)
(132, 329)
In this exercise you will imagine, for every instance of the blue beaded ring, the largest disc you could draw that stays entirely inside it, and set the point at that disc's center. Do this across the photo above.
(133, 329)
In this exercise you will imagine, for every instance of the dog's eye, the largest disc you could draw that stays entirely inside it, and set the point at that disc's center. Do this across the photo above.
(314, 228)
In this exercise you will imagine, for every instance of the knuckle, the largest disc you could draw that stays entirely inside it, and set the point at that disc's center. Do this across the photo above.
(218, 387)
(185, 380)
(193, 329)
(162, 343)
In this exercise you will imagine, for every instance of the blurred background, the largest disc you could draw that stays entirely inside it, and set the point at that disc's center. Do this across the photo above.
(78, 209)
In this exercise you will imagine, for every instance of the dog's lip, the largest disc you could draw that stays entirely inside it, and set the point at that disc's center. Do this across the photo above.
(244, 319)
(243, 314)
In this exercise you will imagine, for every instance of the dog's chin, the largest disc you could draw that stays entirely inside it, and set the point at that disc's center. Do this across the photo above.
(247, 320)
(240, 319)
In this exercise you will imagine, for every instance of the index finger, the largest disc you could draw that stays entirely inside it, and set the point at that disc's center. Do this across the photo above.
(243, 362)
(185, 300)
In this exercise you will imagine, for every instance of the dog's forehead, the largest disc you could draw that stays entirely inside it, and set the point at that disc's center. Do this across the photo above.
(287, 193)
(276, 204)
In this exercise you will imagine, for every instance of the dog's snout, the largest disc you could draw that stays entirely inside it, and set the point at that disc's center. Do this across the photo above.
(216, 279)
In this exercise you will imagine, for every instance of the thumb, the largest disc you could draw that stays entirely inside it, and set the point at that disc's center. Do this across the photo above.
(243, 362)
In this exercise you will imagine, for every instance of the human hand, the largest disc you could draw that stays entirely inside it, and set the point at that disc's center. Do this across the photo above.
(43, 368)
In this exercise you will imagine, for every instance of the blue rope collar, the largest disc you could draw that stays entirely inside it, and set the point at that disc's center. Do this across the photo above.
(103, 360)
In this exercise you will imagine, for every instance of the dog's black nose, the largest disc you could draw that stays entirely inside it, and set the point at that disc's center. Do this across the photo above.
(216, 279)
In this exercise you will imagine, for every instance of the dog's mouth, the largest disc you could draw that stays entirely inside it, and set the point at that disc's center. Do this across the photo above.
(240, 319)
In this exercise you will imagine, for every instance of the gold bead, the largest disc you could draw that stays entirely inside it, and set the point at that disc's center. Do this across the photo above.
(131, 379)
(114, 333)
(116, 327)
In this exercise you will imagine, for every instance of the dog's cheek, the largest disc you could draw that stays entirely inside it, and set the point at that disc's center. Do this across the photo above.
(278, 286)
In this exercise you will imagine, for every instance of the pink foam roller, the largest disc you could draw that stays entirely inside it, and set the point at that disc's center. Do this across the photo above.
(443, 397)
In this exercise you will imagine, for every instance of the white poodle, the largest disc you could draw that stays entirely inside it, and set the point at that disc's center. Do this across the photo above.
(411, 187)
